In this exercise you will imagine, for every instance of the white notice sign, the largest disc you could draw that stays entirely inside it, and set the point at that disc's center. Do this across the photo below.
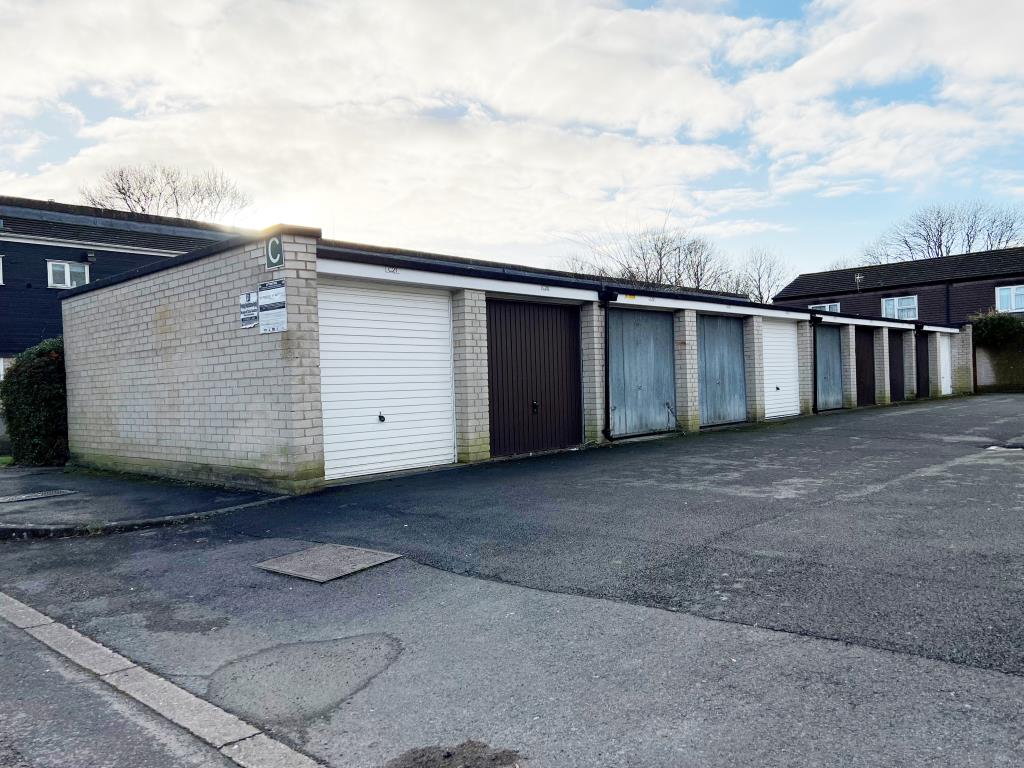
(273, 311)
(248, 309)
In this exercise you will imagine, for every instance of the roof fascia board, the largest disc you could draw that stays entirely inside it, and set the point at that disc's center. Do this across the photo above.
(403, 275)
(739, 308)
(391, 261)
(87, 244)
(900, 325)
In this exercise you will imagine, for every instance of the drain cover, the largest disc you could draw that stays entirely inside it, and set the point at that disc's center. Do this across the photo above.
(37, 495)
(325, 562)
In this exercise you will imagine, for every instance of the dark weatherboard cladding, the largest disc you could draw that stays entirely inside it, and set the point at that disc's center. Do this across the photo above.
(828, 367)
(723, 383)
(533, 358)
(29, 310)
(641, 372)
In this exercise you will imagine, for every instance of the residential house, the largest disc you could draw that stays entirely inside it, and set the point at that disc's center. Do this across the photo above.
(947, 290)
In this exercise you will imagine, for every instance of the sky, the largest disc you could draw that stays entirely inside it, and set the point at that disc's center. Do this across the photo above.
(512, 130)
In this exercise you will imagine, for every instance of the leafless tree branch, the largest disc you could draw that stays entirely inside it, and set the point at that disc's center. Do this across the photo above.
(941, 230)
(167, 190)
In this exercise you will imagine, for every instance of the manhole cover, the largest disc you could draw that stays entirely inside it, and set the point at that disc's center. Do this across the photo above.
(36, 495)
(325, 562)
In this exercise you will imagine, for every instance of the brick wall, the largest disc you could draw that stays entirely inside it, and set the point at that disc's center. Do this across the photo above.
(805, 357)
(592, 350)
(962, 348)
(848, 350)
(934, 380)
(472, 407)
(753, 362)
(910, 365)
(687, 374)
(883, 394)
(162, 379)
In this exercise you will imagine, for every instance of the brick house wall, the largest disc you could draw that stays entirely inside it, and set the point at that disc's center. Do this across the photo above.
(162, 379)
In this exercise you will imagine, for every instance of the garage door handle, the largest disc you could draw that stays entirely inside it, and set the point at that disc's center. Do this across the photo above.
(534, 407)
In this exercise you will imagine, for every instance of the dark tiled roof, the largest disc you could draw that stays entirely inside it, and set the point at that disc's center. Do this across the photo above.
(79, 223)
(963, 266)
(86, 233)
(113, 215)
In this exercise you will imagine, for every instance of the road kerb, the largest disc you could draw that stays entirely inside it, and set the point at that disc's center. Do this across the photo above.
(242, 743)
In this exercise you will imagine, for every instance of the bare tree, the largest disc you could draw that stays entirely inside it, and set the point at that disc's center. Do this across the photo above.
(941, 230)
(763, 273)
(167, 190)
(654, 256)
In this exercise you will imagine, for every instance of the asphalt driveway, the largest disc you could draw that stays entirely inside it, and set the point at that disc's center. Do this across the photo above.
(843, 590)
(895, 528)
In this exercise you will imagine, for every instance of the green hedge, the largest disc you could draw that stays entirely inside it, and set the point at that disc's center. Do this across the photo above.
(999, 331)
(34, 400)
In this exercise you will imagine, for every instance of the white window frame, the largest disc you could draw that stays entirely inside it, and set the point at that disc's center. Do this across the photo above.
(67, 273)
(832, 306)
(896, 308)
(1015, 298)
(1, 276)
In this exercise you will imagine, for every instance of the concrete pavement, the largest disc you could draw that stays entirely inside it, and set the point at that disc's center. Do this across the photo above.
(615, 621)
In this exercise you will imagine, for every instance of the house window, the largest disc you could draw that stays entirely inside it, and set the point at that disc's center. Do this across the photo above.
(900, 308)
(66, 274)
(833, 307)
(1010, 298)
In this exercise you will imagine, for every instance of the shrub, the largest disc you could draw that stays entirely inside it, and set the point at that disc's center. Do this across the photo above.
(999, 331)
(34, 400)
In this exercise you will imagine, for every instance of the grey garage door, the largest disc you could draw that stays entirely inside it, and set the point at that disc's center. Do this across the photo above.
(828, 373)
(641, 379)
(723, 383)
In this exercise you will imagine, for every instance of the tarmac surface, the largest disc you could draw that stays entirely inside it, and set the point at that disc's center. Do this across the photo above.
(844, 590)
(91, 501)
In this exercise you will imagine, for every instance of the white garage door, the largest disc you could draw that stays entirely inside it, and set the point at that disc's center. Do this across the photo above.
(781, 369)
(385, 378)
(945, 365)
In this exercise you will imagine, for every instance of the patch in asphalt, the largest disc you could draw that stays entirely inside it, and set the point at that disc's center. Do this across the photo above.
(298, 681)
(468, 754)
(326, 562)
(36, 495)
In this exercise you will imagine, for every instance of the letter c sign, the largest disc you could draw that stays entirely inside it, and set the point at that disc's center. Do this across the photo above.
(275, 253)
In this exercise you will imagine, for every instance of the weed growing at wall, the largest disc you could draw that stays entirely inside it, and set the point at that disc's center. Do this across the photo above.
(34, 401)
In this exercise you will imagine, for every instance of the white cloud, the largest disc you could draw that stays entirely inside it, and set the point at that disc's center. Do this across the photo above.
(480, 125)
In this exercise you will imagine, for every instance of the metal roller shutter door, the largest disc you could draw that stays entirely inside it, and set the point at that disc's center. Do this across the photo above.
(828, 361)
(641, 372)
(781, 369)
(385, 351)
(722, 375)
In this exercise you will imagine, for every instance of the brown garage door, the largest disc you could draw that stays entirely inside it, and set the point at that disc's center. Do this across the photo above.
(865, 351)
(533, 371)
(897, 385)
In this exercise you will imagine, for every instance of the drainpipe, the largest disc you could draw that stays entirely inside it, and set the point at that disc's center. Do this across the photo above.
(604, 297)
